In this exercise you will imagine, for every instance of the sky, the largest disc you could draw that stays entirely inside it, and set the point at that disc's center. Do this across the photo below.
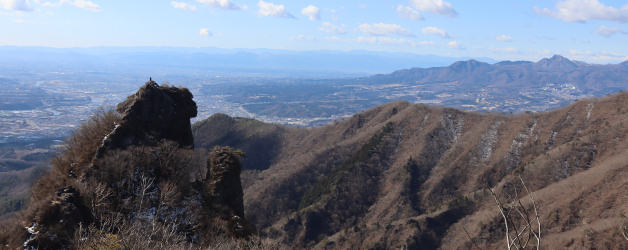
(594, 31)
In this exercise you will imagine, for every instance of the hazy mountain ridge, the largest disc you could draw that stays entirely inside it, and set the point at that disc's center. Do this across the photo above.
(208, 60)
(415, 175)
(470, 85)
(592, 78)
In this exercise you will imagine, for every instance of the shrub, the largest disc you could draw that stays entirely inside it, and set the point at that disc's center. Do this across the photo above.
(78, 153)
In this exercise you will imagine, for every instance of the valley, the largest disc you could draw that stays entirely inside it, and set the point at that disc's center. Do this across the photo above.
(429, 138)
(324, 125)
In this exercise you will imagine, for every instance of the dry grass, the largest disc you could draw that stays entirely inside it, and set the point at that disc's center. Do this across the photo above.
(544, 148)
(117, 233)
(79, 152)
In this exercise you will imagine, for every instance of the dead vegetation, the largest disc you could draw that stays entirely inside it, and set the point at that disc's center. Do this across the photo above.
(551, 151)
(140, 197)
(521, 223)
(78, 153)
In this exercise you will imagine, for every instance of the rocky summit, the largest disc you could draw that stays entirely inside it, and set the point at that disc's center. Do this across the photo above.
(153, 114)
(131, 179)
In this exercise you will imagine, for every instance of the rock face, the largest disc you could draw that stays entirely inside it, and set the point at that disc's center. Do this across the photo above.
(143, 177)
(54, 225)
(223, 190)
(224, 187)
(153, 114)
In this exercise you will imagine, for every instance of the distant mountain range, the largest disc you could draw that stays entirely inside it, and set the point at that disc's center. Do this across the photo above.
(590, 78)
(161, 61)
(508, 86)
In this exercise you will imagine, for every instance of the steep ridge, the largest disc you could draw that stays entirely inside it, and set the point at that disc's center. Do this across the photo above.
(403, 175)
(130, 180)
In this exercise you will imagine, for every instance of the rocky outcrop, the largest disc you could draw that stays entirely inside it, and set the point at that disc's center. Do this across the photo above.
(224, 189)
(143, 185)
(223, 182)
(54, 225)
(153, 114)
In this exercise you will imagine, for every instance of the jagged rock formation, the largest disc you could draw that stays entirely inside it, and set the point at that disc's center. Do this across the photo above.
(141, 183)
(153, 114)
(415, 176)
(224, 190)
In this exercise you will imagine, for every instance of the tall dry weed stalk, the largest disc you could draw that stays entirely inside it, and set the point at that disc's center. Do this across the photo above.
(522, 224)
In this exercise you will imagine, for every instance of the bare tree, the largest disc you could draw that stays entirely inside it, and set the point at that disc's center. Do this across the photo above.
(522, 224)
(146, 183)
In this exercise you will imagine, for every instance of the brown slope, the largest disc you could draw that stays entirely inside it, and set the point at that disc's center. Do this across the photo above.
(416, 175)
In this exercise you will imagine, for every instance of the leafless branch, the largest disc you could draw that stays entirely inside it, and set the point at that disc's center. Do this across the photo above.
(146, 183)
(521, 226)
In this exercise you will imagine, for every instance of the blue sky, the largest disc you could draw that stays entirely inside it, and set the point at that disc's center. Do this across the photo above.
(589, 30)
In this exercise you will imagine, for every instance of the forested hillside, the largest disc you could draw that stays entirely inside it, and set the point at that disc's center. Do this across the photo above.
(421, 176)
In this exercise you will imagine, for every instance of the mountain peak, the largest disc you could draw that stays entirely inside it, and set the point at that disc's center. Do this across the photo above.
(468, 65)
(513, 62)
(558, 57)
(557, 62)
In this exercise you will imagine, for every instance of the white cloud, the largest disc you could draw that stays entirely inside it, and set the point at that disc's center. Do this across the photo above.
(333, 15)
(369, 39)
(453, 45)
(222, 4)
(303, 38)
(408, 12)
(332, 28)
(83, 4)
(333, 39)
(503, 38)
(19, 5)
(585, 10)
(312, 12)
(435, 31)
(392, 41)
(204, 32)
(439, 7)
(271, 9)
(595, 56)
(383, 29)
(183, 6)
(609, 31)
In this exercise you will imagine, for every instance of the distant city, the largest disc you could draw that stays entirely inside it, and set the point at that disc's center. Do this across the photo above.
(51, 109)
(49, 101)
